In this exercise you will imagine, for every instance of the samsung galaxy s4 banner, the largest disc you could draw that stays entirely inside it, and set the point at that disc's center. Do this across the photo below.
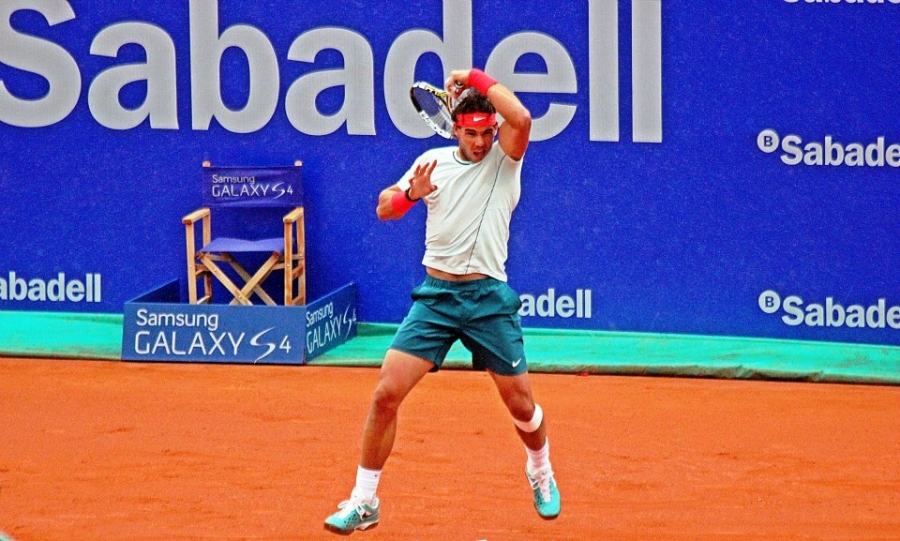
(158, 327)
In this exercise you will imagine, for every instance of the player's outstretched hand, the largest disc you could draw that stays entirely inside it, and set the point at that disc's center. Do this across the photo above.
(420, 184)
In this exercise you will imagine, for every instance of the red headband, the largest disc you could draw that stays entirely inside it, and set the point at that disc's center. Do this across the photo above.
(476, 120)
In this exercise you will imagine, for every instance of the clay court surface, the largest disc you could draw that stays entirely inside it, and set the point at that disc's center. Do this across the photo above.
(97, 450)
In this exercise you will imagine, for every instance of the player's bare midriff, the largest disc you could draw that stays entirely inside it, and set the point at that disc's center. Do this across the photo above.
(441, 275)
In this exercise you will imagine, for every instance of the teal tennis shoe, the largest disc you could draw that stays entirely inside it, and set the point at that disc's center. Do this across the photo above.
(353, 514)
(546, 494)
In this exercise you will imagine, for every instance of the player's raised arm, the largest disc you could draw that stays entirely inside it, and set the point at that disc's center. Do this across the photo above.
(516, 128)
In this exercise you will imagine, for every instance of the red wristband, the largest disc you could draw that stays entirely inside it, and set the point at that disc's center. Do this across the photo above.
(480, 81)
(400, 203)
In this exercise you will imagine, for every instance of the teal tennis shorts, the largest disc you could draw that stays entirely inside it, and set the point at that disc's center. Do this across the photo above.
(483, 314)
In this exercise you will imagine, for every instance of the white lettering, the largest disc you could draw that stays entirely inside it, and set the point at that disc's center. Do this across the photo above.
(140, 342)
(42, 58)
(830, 153)
(560, 77)
(357, 79)
(549, 305)
(321, 335)
(831, 314)
(646, 79)
(161, 102)
(792, 307)
(314, 316)
(603, 50)
(207, 47)
(146, 318)
(58, 289)
(400, 66)
(209, 44)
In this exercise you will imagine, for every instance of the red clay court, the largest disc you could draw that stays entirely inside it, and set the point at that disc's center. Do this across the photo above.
(105, 450)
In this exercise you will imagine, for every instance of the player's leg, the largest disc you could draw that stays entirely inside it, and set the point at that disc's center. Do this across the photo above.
(400, 372)
(495, 338)
(528, 417)
(419, 346)
(515, 391)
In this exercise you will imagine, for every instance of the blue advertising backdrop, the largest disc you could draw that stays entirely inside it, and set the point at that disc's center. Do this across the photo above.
(696, 167)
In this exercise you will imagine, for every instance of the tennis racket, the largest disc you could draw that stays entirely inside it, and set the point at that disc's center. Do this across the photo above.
(434, 106)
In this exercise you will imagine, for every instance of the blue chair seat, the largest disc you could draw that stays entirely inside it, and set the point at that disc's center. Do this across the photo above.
(226, 244)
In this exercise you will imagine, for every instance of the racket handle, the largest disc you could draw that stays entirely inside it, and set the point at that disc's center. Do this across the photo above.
(455, 93)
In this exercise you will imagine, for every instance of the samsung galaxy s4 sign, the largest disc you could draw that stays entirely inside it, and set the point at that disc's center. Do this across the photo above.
(213, 333)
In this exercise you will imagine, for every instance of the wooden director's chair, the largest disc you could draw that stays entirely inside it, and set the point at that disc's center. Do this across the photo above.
(234, 190)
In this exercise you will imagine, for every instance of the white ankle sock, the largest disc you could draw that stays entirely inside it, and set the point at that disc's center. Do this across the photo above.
(540, 458)
(367, 483)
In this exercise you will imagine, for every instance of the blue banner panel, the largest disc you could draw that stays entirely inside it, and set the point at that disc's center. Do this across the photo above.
(330, 321)
(702, 167)
(252, 187)
(174, 331)
(159, 326)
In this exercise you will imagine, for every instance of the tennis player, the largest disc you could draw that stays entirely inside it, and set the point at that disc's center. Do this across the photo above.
(470, 191)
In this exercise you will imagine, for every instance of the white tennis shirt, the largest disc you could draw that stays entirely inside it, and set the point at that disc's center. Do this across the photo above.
(467, 229)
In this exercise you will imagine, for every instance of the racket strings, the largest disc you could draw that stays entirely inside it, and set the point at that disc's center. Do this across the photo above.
(434, 109)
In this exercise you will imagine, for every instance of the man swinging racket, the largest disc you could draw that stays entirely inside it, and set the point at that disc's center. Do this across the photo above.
(470, 191)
